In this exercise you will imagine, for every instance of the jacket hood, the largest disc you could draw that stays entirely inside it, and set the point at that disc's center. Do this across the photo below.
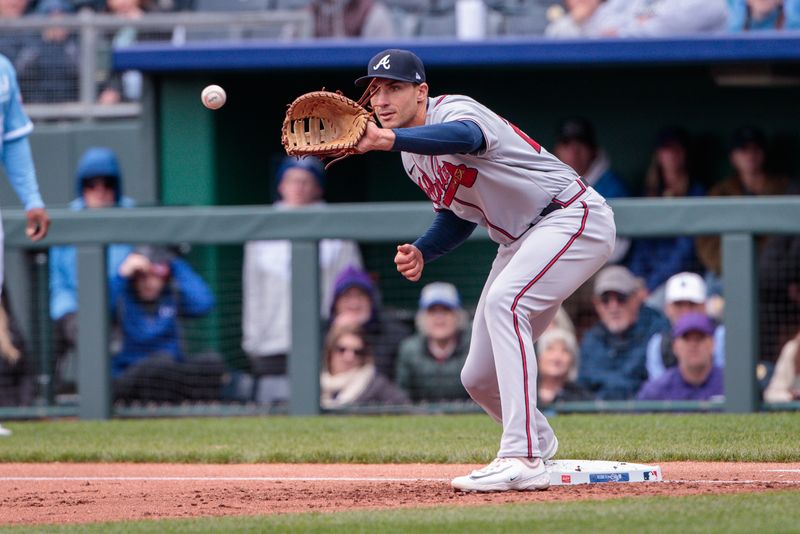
(99, 161)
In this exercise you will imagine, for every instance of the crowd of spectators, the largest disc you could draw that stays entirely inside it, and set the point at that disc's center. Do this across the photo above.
(47, 61)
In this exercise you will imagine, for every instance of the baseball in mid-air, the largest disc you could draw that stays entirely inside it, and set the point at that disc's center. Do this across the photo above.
(213, 97)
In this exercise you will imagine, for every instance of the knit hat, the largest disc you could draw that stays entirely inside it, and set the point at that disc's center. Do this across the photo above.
(307, 163)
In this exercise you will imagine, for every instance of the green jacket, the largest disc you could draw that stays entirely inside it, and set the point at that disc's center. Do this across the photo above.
(426, 379)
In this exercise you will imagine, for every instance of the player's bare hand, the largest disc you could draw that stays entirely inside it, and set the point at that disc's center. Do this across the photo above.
(409, 262)
(376, 138)
(38, 223)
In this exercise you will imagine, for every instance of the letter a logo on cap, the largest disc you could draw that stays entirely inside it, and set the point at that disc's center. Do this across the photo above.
(384, 62)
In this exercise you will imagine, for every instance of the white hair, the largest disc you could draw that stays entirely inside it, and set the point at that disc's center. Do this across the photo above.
(554, 334)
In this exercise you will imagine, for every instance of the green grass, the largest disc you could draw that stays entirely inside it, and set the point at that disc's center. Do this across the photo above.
(385, 439)
(746, 513)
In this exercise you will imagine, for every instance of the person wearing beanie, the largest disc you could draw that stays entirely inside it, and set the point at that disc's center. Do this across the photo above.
(267, 282)
(98, 185)
(356, 302)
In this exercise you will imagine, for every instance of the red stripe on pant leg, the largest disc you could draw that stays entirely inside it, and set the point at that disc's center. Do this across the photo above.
(516, 323)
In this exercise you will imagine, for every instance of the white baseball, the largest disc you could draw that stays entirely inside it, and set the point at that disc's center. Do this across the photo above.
(213, 97)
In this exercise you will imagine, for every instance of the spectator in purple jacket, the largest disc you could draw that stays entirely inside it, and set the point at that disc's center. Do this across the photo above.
(695, 377)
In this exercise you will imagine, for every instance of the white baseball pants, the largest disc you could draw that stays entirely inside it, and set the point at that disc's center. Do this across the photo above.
(528, 281)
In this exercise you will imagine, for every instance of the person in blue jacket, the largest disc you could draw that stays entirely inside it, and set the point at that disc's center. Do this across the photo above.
(98, 183)
(150, 294)
(761, 15)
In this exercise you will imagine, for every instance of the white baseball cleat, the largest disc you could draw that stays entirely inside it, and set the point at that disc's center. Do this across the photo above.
(505, 474)
(4, 431)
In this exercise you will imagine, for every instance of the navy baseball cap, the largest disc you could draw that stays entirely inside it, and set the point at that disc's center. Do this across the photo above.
(747, 135)
(395, 64)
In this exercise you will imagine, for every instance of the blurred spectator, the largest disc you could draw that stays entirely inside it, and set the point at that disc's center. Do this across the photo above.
(583, 18)
(759, 15)
(98, 182)
(785, 383)
(17, 372)
(429, 363)
(576, 145)
(684, 293)
(356, 303)
(152, 292)
(12, 41)
(750, 178)
(47, 63)
(613, 351)
(664, 18)
(557, 357)
(696, 377)
(779, 292)
(370, 19)
(267, 285)
(349, 377)
(125, 86)
(669, 175)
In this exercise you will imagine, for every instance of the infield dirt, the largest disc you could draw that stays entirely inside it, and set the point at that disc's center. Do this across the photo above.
(83, 493)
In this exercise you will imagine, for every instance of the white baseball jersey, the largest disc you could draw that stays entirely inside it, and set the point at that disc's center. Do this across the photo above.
(504, 187)
(539, 263)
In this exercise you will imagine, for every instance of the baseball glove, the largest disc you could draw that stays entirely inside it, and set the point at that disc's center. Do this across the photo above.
(324, 124)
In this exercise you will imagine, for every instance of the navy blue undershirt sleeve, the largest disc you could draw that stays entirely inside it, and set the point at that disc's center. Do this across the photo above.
(454, 137)
(445, 233)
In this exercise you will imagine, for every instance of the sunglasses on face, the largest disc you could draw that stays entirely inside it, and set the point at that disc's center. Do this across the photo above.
(608, 296)
(358, 352)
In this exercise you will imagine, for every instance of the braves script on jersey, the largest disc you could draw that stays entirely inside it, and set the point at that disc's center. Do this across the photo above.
(504, 187)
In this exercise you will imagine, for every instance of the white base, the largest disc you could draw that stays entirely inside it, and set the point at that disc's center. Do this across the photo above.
(572, 472)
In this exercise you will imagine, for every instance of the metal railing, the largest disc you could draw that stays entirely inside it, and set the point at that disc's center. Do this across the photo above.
(737, 220)
(94, 33)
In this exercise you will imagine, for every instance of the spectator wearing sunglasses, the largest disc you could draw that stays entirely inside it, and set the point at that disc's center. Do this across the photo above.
(349, 376)
(613, 351)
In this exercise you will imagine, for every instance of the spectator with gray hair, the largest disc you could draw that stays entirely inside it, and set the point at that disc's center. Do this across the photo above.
(429, 362)
(558, 359)
(612, 352)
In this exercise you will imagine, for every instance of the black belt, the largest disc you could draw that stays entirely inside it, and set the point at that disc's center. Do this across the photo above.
(555, 205)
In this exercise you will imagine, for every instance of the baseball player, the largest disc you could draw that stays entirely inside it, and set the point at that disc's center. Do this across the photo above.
(553, 232)
(15, 155)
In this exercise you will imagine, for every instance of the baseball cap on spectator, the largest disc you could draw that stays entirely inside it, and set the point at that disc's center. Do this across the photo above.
(693, 322)
(307, 163)
(395, 64)
(439, 293)
(686, 287)
(616, 278)
(672, 135)
(747, 135)
(577, 129)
